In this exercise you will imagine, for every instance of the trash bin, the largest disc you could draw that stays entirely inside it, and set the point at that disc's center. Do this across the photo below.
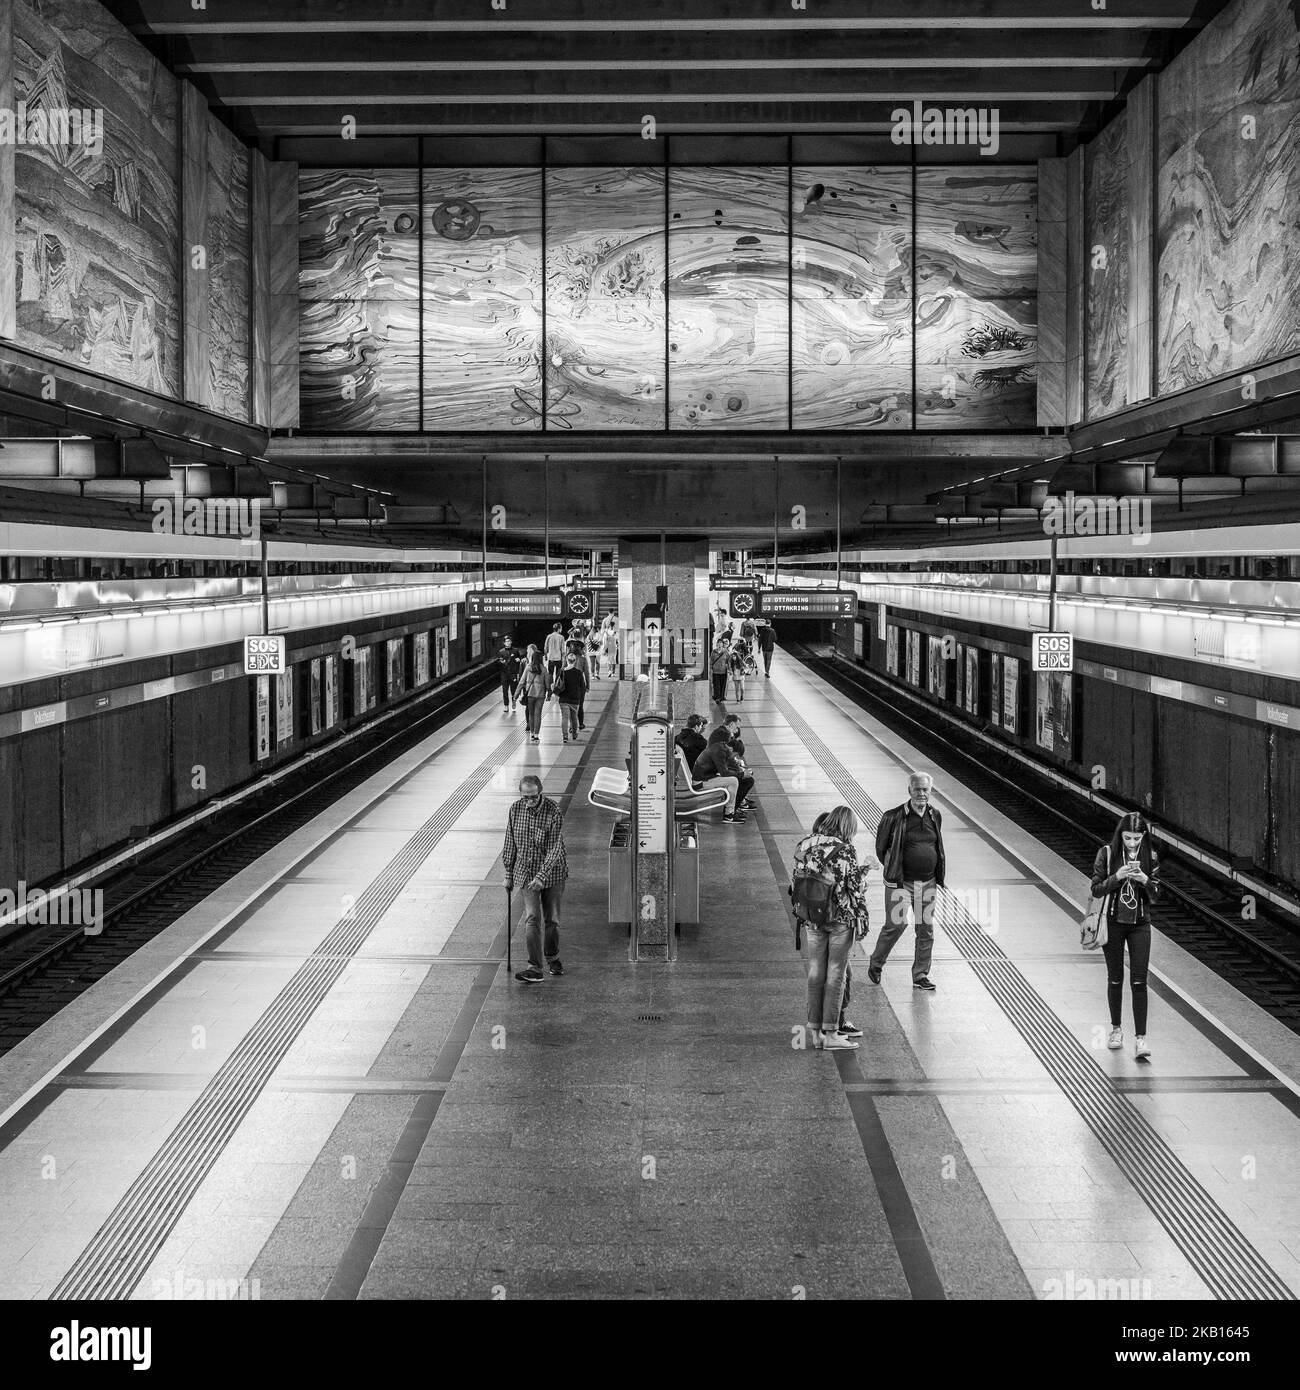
(686, 873)
(620, 872)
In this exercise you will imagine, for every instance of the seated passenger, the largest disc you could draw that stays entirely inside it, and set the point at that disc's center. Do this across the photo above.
(719, 763)
(691, 741)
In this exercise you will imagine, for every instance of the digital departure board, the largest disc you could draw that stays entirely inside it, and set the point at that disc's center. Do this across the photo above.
(793, 603)
(513, 603)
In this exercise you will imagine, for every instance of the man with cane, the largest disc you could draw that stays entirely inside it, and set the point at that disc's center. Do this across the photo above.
(534, 858)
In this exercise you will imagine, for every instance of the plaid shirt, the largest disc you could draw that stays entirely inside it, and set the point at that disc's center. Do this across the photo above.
(534, 847)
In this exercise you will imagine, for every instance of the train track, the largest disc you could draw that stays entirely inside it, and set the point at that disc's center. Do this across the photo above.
(1198, 910)
(44, 968)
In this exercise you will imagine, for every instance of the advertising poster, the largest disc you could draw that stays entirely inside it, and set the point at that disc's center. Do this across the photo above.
(1010, 693)
(316, 696)
(475, 641)
(995, 688)
(396, 667)
(441, 648)
(330, 672)
(284, 708)
(372, 676)
(361, 680)
(914, 657)
(453, 618)
(857, 640)
(960, 693)
(891, 651)
(937, 674)
(972, 663)
(421, 658)
(261, 718)
(1054, 713)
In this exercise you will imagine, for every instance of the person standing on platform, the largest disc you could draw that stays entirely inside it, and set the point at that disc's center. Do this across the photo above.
(533, 688)
(1127, 870)
(909, 845)
(828, 851)
(554, 651)
(767, 645)
(570, 687)
(578, 650)
(534, 858)
(508, 664)
(748, 632)
(720, 668)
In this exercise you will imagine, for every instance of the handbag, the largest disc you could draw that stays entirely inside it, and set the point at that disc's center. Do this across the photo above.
(1092, 930)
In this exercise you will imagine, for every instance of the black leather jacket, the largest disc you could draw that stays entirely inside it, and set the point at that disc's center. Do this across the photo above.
(889, 843)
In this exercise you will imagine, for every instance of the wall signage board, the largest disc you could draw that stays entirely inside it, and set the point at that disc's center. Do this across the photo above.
(513, 603)
(262, 718)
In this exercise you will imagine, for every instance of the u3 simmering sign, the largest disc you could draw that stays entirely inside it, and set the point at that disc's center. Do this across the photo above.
(1052, 651)
(264, 656)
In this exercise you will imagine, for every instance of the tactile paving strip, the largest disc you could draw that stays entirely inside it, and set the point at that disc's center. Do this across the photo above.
(124, 1247)
(1220, 1254)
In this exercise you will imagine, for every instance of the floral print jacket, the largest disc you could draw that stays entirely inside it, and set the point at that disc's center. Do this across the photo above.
(827, 854)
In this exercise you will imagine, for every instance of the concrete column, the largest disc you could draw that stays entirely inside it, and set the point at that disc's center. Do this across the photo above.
(684, 567)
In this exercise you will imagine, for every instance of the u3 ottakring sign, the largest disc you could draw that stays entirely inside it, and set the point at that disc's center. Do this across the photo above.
(793, 603)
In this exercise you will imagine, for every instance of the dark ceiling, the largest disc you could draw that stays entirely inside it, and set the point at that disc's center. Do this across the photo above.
(293, 68)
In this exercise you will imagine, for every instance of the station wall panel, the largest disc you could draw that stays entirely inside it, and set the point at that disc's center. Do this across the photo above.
(1247, 779)
(1106, 207)
(1284, 785)
(31, 827)
(1193, 786)
(204, 733)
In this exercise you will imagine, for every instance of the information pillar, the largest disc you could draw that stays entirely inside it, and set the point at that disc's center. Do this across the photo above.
(653, 937)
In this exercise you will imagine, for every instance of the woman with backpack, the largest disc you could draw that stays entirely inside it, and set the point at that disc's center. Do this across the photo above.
(533, 688)
(829, 894)
(1127, 872)
(570, 687)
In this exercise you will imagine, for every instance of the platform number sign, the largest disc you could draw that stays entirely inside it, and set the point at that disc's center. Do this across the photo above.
(264, 656)
(1052, 651)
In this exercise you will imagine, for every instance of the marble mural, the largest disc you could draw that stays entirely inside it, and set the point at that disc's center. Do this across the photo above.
(852, 298)
(1228, 196)
(1106, 247)
(976, 297)
(605, 342)
(97, 227)
(228, 272)
(359, 299)
(728, 298)
(483, 300)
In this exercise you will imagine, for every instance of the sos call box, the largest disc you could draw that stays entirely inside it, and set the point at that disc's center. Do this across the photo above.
(1052, 651)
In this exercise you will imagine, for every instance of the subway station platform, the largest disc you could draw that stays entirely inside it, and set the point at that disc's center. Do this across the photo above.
(322, 1083)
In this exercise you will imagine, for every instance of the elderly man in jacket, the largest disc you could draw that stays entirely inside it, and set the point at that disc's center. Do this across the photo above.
(909, 845)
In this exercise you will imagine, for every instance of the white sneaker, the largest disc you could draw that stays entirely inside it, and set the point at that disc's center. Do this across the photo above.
(1116, 1039)
(1141, 1051)
(837, 1042)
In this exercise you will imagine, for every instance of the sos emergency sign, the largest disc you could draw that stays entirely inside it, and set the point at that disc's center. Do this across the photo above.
(1052, 651)
(264, 656)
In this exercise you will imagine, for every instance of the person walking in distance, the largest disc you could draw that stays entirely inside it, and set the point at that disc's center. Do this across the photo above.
(535, 859)
(570, 686)
(533, 688)
(554, 651)
(1127, 872)
(720, 668)
(508, 664)
(578, 650)
(909, 845)
(830, 921)
(767, 645)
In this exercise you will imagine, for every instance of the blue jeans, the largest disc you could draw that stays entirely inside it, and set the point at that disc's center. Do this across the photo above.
(542, 903)
(569, 719)
(899, 897)
(826, 950)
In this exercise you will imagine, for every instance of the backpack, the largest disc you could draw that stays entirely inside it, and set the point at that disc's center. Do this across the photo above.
(812, 893)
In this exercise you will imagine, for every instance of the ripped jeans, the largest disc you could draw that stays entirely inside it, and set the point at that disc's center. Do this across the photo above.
(1138, 936)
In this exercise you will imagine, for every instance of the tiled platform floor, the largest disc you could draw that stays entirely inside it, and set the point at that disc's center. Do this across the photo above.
(425, 1127)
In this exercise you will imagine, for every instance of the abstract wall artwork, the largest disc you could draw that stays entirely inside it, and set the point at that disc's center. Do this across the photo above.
(228, 271)
(1106, 239)
(482, 299)
(852, 298)
(358, 284)
(1228, 196)
(98, 227)
(976, 287)
(605, 340)
(728, 298)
